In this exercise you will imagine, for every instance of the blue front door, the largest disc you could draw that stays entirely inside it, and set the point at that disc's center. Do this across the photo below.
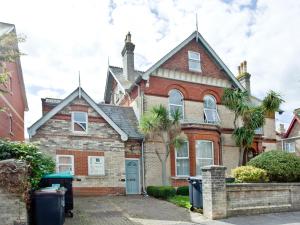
(132, 176)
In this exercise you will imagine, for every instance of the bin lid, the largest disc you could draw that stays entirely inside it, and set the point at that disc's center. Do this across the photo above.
(59, 175)
(195, 178)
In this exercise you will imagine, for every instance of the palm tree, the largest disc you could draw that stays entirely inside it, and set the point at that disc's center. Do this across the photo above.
(159, 124)
(253, 117)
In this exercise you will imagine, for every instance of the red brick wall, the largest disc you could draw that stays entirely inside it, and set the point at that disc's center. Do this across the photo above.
(179, 61)
(14, 105)
(80, 159)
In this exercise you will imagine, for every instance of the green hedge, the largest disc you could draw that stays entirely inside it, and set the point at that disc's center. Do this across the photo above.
(280, 166)
(249, 174)
(184, 190)
(163, 192)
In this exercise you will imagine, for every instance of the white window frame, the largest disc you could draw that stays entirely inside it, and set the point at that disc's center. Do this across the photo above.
(65, 164)
(194, 60)
(290, 147)
(205, 110)
(73, 121)
(177, 105)
(89, 166)
(188, 157)
(213, 153)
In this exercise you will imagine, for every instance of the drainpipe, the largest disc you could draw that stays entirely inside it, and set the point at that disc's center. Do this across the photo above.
(143, 170)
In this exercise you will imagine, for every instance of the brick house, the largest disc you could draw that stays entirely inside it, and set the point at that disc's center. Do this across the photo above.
(290, 140)
(13, 99)
(101, 145)
(191, 78)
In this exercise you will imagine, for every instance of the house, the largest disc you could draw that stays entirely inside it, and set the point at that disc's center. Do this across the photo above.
(13, 100)
(101, 145)
(92, 141)
(290, 140)
(190, 78)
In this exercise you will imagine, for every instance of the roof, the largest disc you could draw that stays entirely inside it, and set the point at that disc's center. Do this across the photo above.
(295, 120)
(125, 118)
(6, 28)
(122, 119)
(117, 72)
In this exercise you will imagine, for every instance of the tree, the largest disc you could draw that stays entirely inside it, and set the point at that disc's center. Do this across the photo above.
(157, 124)
(252, 116)
(9, 52)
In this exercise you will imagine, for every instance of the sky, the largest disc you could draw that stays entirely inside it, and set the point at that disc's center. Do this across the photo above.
(67, 36)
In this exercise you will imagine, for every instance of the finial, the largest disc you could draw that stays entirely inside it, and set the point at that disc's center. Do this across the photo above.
(197, 27)
(128, 37)
(79, 85)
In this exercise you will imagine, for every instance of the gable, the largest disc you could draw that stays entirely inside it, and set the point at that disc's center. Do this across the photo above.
(78, 93)
(294, 128)
(209, 68)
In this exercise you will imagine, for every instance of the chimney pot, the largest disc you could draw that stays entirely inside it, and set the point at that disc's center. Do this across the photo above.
(239, 70)
(128, 37)
(245, 66)
(244, 76)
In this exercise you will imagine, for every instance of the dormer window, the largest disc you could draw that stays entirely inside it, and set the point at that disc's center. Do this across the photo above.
(79, 122)
(194, 61)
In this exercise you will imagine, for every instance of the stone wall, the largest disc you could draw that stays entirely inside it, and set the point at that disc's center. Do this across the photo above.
(222, 200)
(256, 198)
(12, 176)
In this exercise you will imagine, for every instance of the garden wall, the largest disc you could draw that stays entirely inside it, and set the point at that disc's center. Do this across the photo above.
(222, 200)
(12, 208)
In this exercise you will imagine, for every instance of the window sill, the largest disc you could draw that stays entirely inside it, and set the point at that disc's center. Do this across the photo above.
(180, 177)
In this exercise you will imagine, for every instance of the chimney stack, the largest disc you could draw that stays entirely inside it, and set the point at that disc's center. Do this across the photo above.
(244, 76)
(128, 58)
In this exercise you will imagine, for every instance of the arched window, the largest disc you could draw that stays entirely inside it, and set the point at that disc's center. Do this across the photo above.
(210, 110)
(176, 102)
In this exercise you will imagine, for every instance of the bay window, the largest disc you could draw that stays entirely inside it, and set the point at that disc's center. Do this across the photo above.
(182, 160)
(204, 155)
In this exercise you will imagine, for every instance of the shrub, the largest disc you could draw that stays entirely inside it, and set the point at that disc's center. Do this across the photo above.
(38, 163)
(249, 174)
(184, 190)
(280, 166)
(163, 192)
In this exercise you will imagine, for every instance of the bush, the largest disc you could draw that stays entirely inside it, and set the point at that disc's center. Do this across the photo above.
(249, 174)
(39, 164)
(280, 166)
(163, 192)
(184, 190)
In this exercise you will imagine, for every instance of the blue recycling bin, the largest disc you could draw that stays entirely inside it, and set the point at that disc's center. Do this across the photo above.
(195, 192)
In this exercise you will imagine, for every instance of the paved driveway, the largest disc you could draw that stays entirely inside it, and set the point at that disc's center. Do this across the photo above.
(139, 210)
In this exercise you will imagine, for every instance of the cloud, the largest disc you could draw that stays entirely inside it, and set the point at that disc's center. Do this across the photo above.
(64, 37)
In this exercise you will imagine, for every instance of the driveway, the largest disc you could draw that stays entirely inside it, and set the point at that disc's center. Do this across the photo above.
(139, 210)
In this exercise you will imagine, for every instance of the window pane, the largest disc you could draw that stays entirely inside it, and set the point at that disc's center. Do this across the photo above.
(194, 55)
(64, 160)
(201, 163)
(173, 109)
(175, 97)
(64, 168)
(80, 117)
(209, 102)
(204, 149)
(194, 65)
(183, 150)
(182, 167)
(79, 126)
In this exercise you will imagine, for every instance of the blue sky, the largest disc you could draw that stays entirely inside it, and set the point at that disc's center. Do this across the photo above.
(64, 37)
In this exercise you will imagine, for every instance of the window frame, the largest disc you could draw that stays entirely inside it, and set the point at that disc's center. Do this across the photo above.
(73, 121)
(215, 110)
(89, 166)
(213, 153)
(287, 147)
(176, 105)
(188, 157)
(190, 59)
(65, 164)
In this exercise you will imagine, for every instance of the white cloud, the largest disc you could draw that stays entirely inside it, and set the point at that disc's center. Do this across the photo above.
(66, 36)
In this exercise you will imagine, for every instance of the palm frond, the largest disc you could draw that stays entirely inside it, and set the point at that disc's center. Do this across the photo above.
(271, 103)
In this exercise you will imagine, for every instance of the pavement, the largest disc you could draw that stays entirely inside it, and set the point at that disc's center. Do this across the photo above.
(139, 210)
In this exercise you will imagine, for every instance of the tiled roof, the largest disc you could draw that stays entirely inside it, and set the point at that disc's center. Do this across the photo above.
(125, 118)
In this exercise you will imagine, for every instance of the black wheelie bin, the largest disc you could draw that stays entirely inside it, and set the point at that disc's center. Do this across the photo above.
(195, 192)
